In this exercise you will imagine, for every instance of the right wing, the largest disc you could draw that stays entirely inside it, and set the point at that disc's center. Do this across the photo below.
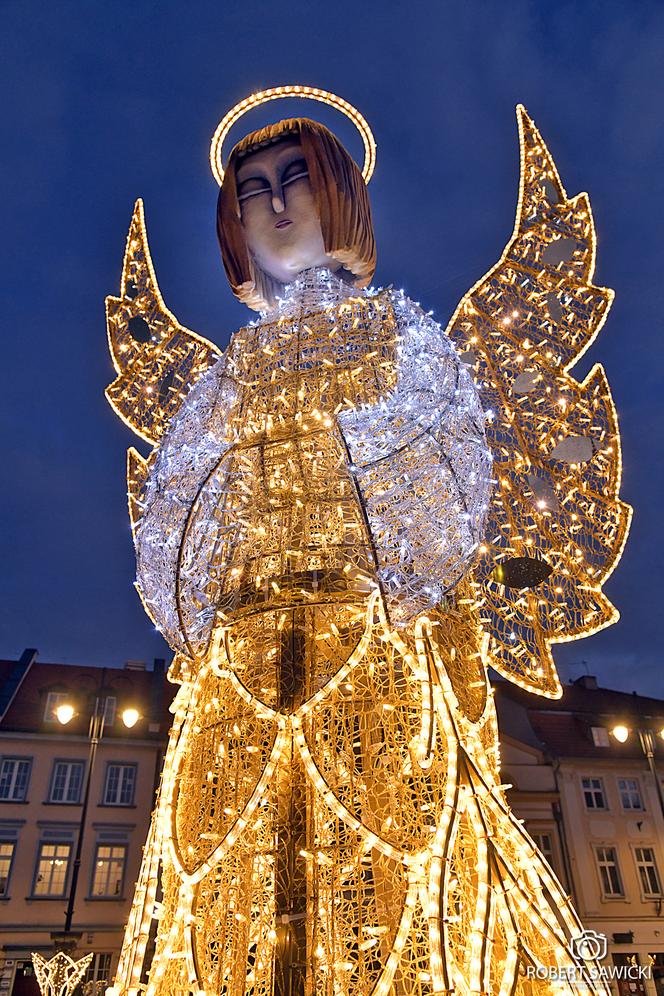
(556, 526)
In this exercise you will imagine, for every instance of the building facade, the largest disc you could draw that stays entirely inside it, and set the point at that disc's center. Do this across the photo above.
(594, 805)
(592, 802)
(45, 769)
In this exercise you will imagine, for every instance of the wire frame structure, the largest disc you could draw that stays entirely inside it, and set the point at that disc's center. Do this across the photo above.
(323, 538)
(61, 974)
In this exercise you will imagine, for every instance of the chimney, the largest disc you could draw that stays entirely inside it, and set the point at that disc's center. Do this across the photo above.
(135, 666)
(588, 681)
(157, 694)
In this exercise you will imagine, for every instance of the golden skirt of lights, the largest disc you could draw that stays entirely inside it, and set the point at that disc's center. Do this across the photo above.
(344, 520)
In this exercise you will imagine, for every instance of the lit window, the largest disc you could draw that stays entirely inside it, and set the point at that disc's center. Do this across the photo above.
(656, 961)
(109, 870)
(52, 868)
(609, 872)
(593, 793)
(53, 700)
(627, 960)
(14, 778)
(648, 873)
(99, 970)
(120, 784)
(6, 857)
(66, 782)
(630, 793)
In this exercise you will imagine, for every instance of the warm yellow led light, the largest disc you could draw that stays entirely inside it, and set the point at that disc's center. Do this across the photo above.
(372, 793)
(620, 732)
(302, 92)
(61, 974)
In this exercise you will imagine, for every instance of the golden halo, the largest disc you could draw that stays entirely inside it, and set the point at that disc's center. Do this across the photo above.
(306, 92)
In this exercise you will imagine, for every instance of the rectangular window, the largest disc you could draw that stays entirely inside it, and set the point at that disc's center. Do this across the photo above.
(630, 793)
(600, 736)
(66, 782)
(14, 778)
(110, 709)
(609, 872)
(53, 700)
(6, 857)
(656, 960)
(648, 873)
(120, 784)
(109, 870)
(593, 793)
(544, 845)
(99, 970)
(52, 869)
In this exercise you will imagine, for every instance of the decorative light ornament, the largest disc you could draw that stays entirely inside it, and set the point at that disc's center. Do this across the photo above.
(311, 538)
(301, 92)
(60, 975)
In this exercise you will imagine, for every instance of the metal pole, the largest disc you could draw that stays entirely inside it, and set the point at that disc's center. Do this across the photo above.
(648, 747)
(562, 836)
(95, 733)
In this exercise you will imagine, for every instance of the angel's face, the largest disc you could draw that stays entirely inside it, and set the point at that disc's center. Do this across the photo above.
(278, 211)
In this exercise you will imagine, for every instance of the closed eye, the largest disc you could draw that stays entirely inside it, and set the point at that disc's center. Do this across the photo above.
(253, 186)
(295, 171)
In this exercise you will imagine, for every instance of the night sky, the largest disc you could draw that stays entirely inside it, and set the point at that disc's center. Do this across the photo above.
(105, 102)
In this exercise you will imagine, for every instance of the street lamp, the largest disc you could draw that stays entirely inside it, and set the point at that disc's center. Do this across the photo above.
(647, 741)
(65, 712)
(61, 975)
(621, 733)
(130, 717)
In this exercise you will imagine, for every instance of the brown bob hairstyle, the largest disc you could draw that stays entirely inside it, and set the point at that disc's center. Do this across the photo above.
(343, 207)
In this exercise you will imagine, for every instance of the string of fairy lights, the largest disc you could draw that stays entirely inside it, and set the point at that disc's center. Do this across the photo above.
(60, 975)
(344, 521)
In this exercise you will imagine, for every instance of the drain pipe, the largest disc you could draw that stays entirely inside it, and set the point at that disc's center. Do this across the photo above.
(564, 847)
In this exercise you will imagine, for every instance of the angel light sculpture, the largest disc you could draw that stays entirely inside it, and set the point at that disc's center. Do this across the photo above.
(343, 521)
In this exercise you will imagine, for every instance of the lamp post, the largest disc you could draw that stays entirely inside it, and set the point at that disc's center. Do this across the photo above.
(60, 975)
(95, 733)
(647, 741)
(65, 713)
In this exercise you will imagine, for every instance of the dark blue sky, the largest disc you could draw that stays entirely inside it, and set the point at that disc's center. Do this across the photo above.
(104, 102)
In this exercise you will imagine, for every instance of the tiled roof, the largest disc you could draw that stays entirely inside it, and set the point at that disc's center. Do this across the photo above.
(148, 691)
(563, 727)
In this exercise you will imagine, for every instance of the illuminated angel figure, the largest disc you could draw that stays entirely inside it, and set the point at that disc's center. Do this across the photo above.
(344, 519)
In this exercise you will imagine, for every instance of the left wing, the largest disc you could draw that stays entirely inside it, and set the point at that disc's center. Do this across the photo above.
(556, 525)
(157, 360)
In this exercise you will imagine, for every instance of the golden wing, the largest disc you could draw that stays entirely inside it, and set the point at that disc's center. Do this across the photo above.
(556, 526)
(157, 360)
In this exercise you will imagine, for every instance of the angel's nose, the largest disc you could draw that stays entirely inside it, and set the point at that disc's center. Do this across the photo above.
(278, 205)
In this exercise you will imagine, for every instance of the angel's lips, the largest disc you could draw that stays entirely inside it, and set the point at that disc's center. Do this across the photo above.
(284, 223)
